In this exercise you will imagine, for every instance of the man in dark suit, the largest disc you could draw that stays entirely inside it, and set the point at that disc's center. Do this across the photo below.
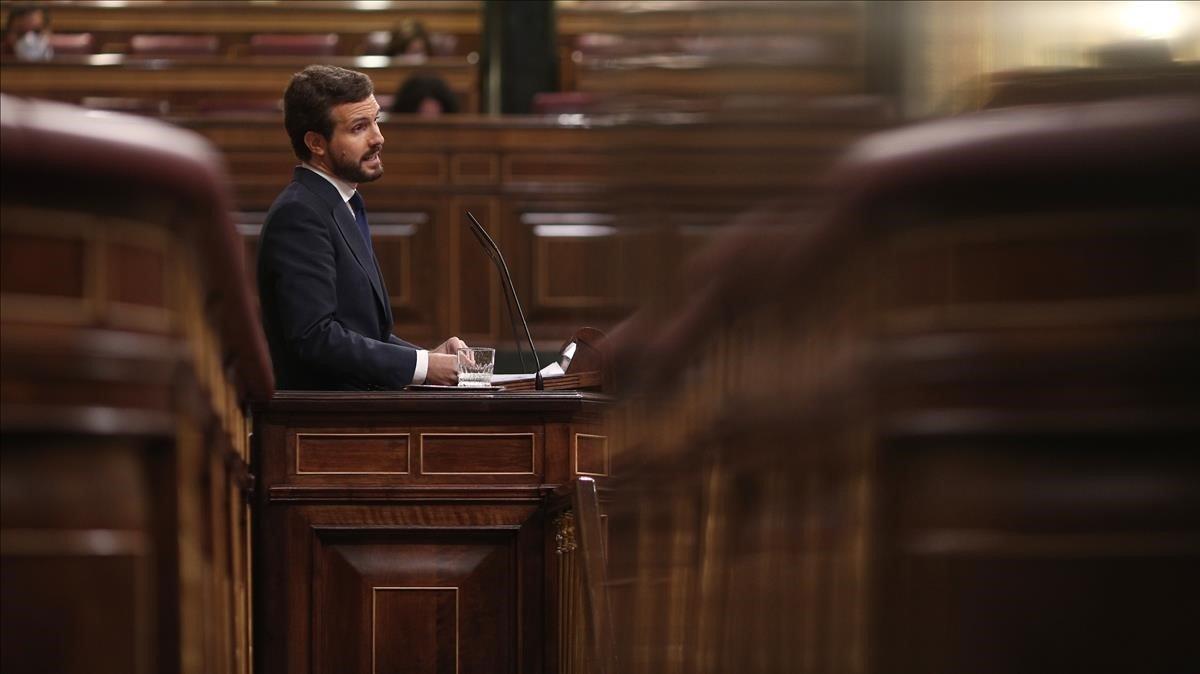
(324, 305)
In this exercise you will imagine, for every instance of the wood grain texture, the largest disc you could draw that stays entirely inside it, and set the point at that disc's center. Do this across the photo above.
(478, 453)
(125, 365)
(971, 447)
(353, 453)
(591, 454)
(665, 187)
(337, 552)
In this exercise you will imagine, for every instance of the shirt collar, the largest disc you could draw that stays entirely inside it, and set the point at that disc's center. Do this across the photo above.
(344, 188)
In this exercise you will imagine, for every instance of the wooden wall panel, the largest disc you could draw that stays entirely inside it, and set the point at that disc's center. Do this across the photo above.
(970, 446)
(26, 257)
(197, 85)
(359, 453)
(409, 246)
(129, 349)
(477, 305)
(424, 624)
(440, 570)
(663, 187)
(575, 272)
(478, 453)
(78, 558)
(475, 169)
(410, 601)
(591, 455)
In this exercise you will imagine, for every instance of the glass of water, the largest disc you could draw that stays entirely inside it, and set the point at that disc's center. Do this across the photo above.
(475, 365)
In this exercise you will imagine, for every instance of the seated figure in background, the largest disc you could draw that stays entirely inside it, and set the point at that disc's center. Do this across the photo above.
(27, 33)
(426, 95)
(410, 39)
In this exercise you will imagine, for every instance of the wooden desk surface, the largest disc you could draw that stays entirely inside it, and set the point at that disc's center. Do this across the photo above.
(421, 402)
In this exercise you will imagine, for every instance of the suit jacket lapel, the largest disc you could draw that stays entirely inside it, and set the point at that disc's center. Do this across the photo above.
(387, 303)
(349, 230)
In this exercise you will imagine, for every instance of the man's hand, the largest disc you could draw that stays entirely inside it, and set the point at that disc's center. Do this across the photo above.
(450, 346)
(442, 368)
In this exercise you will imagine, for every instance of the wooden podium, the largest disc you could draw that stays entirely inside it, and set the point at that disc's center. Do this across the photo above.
(408, 531)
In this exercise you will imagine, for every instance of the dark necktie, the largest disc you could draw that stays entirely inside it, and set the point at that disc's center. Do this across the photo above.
(360, 217)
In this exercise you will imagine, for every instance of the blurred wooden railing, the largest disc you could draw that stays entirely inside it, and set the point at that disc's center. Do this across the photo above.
(131, 348)
(945, 424)
(580, 610)
(584, 208)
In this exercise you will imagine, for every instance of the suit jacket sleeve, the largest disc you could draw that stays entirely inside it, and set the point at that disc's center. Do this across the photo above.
(301, 254)
(392, 339)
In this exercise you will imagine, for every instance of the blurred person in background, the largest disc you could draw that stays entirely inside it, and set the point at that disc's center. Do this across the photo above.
(425, 94)
(411, 39)
(27, 33)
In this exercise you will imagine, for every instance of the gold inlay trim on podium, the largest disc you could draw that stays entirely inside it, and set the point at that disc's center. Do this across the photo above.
(575, 455)
(532, 453)
(374, 594)
(407, 454)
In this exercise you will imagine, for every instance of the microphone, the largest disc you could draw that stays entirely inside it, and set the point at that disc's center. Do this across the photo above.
(510, 292)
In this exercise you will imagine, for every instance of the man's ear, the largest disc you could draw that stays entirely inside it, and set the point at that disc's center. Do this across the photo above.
(316, 143)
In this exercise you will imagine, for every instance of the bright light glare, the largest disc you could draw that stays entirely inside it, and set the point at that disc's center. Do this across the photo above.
(1153, 20)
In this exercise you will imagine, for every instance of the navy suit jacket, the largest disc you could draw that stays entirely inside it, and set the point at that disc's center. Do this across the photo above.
(324, 306)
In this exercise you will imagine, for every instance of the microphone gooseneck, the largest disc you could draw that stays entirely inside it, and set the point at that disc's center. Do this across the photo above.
(493, 252)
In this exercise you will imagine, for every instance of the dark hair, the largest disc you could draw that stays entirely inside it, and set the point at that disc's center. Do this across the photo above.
(311, 96)
(421, 86)
(410, 31)
(18, 11)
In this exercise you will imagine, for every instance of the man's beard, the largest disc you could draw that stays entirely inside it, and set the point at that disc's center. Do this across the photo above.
(353, 171)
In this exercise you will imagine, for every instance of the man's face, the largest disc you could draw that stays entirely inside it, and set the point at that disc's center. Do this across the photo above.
(34, 21)
(353, 152)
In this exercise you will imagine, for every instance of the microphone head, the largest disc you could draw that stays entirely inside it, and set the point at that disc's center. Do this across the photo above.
(482, 234)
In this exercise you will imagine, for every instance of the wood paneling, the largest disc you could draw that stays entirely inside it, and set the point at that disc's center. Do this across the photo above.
(418, 168)
(575, 272)
(950, 430)
(420, 601)
(721, 80)
(28, 255)
(66, 628)
(74, 544)
(478, 453)
(591, 455)
(555, 167)
(188, 85)
(655, 184)
(443, 570)
(409, 247)
(353, 453)
(476, 295)
(141, 277)
(424, 625)
(475, 169)
(128, 350)
(1143, 261)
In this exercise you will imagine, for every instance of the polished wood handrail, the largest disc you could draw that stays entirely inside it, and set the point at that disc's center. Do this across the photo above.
(591, 544)
(582, 575)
